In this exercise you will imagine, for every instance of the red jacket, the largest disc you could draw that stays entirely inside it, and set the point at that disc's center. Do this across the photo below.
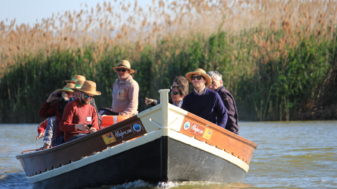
(77, 113)
(53, 109)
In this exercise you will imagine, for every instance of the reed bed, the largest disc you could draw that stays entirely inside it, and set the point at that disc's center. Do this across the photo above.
(274, 55)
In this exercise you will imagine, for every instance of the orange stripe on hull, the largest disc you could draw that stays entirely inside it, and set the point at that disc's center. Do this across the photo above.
(217, 136)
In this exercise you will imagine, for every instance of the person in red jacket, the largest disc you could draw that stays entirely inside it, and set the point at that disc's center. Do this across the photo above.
(79, 116)
(52, 111)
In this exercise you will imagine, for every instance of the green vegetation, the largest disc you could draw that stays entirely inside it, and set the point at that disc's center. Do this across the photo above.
(265, 87)
(278, 58)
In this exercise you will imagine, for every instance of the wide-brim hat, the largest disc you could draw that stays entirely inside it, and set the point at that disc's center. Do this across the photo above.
(78, 80)
(201, 72)
(69, 87)
(124, 64)
(89, 87)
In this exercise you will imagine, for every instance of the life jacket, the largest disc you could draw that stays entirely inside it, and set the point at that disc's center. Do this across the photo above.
(109, 120)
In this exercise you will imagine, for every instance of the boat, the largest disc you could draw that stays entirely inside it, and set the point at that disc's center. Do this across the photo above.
(160, 144)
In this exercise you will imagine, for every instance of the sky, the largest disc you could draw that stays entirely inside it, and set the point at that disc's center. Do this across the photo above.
(32, 11)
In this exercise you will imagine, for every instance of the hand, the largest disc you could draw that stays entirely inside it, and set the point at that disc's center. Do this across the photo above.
(149, 101)
(81, 127)
(40, 135)
(123, 114)
(92, 130)
(44, 147)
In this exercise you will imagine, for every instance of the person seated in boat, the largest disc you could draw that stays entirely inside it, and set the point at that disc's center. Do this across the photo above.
(202, 101)
(125, 92)
(228, 100)
(179, 89)
(78, 80)
(79, 116)
(52, 110)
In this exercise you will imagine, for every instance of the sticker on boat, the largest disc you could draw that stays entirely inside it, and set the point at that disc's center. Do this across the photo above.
(187, 125)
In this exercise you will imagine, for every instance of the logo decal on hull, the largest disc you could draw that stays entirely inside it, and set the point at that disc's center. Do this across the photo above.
(136, 127)
(109, 138)
(187, 125)
(207, 134)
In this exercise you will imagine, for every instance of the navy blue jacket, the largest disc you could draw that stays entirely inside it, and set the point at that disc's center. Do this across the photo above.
(208, 106)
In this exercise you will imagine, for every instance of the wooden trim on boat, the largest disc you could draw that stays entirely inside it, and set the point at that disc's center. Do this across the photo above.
(41, 161)
(215, 135)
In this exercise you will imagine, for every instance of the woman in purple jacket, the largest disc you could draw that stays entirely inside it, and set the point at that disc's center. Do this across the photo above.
(227, 99)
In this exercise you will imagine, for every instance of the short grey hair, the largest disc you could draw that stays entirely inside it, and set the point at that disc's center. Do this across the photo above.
(215, 74)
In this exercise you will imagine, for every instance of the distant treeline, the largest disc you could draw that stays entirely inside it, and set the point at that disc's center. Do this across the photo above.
(283, 81)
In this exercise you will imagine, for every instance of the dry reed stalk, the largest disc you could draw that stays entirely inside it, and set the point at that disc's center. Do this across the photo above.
(122, 23)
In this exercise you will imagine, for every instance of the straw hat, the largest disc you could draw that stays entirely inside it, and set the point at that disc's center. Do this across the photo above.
(201, 72)
(124, 64)
(68, 87)
(78, 80)
(89, 87)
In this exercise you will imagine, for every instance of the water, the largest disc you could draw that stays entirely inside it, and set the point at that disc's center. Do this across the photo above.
(289, 155)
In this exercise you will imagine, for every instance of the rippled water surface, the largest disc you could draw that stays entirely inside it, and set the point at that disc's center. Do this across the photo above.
(289, 155)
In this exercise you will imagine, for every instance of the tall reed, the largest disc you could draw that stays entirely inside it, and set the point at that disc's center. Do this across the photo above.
(273, 54)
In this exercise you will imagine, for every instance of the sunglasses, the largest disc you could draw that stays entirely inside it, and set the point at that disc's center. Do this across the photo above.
(121, 70)
(86, 96)
(175, 93)
(172, 87)
(198, 77)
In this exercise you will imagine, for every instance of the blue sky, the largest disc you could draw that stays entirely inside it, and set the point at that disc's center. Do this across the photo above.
(32, 11)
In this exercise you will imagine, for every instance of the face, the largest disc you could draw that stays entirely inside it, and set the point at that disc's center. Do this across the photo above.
(123, 73)
(77, 94)
(70, 94)
(67, 95)
(215, 84)
(175, 94)
(86, 98)
(198, 81)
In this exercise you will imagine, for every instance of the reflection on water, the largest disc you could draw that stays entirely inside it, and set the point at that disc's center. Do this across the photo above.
(289, 155)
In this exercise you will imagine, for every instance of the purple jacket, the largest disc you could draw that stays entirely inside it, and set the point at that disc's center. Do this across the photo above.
(229, 102)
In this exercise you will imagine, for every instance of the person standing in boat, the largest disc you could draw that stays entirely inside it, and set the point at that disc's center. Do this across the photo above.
(204, 102)
(179, 89)
(227, 99)
(79, 116)
(125, 91)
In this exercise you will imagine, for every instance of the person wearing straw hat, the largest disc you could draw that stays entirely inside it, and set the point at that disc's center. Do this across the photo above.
(203, 101)
(53, 109)
(79, 116)
(78, 80)
(227, 99)
(125, 91)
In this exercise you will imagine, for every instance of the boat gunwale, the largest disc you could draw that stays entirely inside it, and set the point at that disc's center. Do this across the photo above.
(221, 130)
(79, 140)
